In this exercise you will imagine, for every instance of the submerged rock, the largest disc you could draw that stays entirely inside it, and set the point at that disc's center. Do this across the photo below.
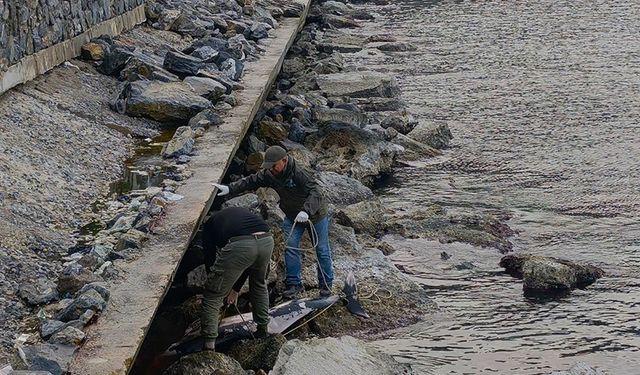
(548, 274)
(344, 355)
(580, 368)
(205, 363)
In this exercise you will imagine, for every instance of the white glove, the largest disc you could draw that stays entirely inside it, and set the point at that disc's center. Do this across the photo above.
(222, 189)
(302, 217)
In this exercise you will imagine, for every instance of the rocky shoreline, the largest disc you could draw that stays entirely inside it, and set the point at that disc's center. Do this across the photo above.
(349, 126)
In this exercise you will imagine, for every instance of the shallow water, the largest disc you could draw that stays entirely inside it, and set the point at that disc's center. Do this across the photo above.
(542, 99)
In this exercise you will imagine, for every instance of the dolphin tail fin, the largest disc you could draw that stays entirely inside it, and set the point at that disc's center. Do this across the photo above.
(351, 293)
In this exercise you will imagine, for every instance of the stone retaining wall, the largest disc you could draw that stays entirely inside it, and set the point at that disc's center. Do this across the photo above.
(29, 26)
(36, 35)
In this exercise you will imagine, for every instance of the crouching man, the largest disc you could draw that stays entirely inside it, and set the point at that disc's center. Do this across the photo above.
(241, 246)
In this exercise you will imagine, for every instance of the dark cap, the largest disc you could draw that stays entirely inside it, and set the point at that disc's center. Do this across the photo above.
(272, 155)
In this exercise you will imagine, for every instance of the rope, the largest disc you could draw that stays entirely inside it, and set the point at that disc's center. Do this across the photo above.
(314, 244)
(244, 321)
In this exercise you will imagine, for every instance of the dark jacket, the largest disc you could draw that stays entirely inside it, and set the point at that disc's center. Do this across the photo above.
(296, 187)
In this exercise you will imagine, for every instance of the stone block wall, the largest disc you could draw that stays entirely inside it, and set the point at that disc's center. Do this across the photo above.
(28, 26)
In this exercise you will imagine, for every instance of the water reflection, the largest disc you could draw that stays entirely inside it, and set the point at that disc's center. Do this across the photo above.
(542, 99)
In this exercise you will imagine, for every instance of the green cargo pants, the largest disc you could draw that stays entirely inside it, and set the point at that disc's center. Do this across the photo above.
(252, 253)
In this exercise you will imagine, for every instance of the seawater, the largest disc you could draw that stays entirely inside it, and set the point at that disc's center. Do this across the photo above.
(543, 99)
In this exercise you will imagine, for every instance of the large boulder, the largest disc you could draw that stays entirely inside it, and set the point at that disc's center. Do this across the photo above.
(437, 135)
(324, 116)
(205, 363)
(206, 87)
(341, 190)
(358, 85)
(182, 64)
(548, 274)
(171, 102)
(364, 217)
(344, 355)
(358, 153)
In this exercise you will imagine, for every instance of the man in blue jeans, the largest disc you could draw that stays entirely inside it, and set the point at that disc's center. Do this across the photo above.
(304, 206)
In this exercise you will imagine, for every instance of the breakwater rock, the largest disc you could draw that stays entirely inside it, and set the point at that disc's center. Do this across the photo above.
(548, 274)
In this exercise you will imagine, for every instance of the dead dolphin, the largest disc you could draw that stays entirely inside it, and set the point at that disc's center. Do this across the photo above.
(350, 291)
(283, 318)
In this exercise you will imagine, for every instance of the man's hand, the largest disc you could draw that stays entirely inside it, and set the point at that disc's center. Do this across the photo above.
(302, 217)
(232, 297)
(222, 189)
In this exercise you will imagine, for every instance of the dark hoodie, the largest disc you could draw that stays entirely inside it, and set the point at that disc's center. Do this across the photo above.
(296, 187)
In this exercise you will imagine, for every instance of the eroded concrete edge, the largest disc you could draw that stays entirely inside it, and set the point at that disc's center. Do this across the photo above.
(40, 62)
(113, 342)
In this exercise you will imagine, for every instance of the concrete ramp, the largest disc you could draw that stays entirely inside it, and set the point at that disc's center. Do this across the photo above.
(113, 342)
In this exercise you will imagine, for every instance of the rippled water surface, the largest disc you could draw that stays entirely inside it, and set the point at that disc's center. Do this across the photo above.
(543, 99)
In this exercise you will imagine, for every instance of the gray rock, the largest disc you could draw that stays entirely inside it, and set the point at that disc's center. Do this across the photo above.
(205, 119)
(181, 143)
(358, 85)
(206, 87)
(53, 358)
(364, 217)
(404, 123)
(133, 239)
(375, 104)
(344, 355)
(49, 327)
(197, 277)
(74, 277)
(325, 116)
(182, 64)
(205, 53)
(114, 61)
(99, 287)
(254, 144)
(232, 68)
(163, 101)
(205, 363)
(437, 135)
(68, 336)
(257, 31)
(547, 274)
(297, 132)
(89, 300)
(39, 292)
(249, 201)
(358, 153)
(397, 47)
(342, 190)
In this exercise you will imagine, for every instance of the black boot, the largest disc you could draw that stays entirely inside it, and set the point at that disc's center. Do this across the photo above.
(262, 332)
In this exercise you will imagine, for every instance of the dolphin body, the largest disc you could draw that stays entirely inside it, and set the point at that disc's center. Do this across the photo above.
(283, 318)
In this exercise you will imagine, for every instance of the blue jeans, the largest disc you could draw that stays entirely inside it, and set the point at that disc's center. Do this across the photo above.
(293, 259)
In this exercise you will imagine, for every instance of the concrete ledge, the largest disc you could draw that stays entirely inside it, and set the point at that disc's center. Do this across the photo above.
(40, 62)
(113, 342)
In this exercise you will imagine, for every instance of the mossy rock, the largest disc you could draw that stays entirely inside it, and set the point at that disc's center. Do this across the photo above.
(205, 363)
(259, 353)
